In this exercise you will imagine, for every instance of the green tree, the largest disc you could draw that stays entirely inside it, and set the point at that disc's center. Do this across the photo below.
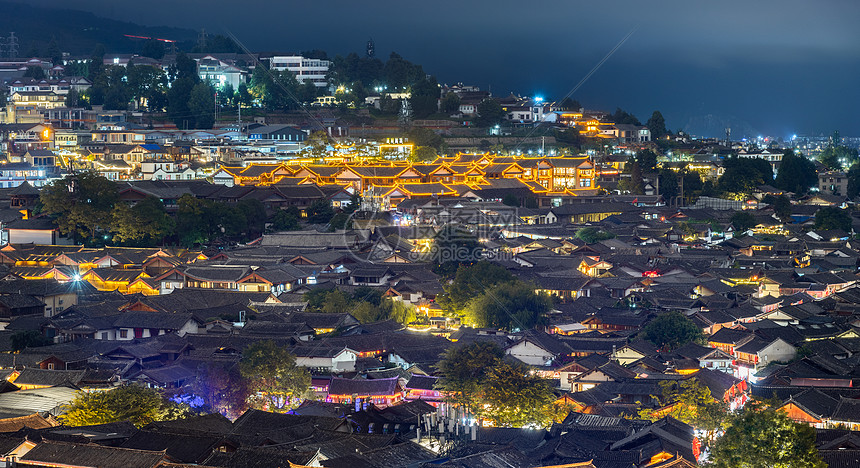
(511, 200)
(463, 369)
(142, 225)
(35, 72)
(451, 103)
(570, 104)
(80, 205)
(623, 117)
(511, 396)
(470, 281)
(274, 380)
(853, 178)
(765, 438)
(837, 156)
(796, 173)
(28, 339)
(148, 87)
(54, 52)
(221, 388)
(283, 220)
(194, 220)
(590, 235)
(421, 136)
(781, 206)
(657, 125)
(423, 154)
(73, 98)
(671, 330)
(201, 104)
(635, 184)
(743, 175)
(153, 48)
(669, 186)
(831, 217)
(691, 402)
(320, 212)
(134, 403)
(647, 160)
(177, 103)
(743, 221)
(490, 113)
(425, 97)
(511, 306)
(454, 246)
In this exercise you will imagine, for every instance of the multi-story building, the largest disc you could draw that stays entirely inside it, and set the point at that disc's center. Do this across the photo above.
(833, 183)
(306, 69)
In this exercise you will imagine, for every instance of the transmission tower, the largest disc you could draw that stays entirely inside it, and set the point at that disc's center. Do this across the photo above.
(12, 46)
(728, 137)
(405, 117)
(202, 39)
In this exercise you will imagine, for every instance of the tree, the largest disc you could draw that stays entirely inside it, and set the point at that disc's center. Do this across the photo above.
(80, 205)
(511, 396)
(454, 246)
(672, 330)
(590, 235)
(764, 438)
(570, 104)
(153, 48)
(837, 156)
(490, 113)
(511, 200)
(425, 97)
(201, 104)
(221, 389)
(796, 173)
(743, 221)
(423, 154)
(134, 403)
(36, 72)
(511, 306)
(657, 125)
(462, 370)
(177, 103)
(781, 206)
(144, 224)
(470, 281)
(743, 175)
(451, 103)
(623, 117)
(691, 402)
(274, 380)
(54, 52)
(647, 160)
(73, 98)
(29, 339)
(425, 137)
(831, 217)
(320, 212)
(636, 183)
(669, 186)
(283, 220)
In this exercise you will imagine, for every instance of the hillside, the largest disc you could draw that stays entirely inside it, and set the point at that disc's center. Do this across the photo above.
(78, 32)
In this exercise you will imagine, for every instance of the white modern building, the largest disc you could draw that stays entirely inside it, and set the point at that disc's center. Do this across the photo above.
(305, 69)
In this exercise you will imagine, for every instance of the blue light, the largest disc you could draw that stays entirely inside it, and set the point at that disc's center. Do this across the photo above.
(538, 99)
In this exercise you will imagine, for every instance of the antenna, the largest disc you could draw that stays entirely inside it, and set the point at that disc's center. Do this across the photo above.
(371, 48)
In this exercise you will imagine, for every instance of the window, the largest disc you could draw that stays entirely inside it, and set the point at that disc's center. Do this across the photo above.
(104, 335)
(123, 333)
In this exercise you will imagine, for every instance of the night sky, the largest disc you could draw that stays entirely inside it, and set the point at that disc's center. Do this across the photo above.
(770, 67)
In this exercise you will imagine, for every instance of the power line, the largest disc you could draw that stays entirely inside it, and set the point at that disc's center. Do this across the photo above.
(588, 75)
